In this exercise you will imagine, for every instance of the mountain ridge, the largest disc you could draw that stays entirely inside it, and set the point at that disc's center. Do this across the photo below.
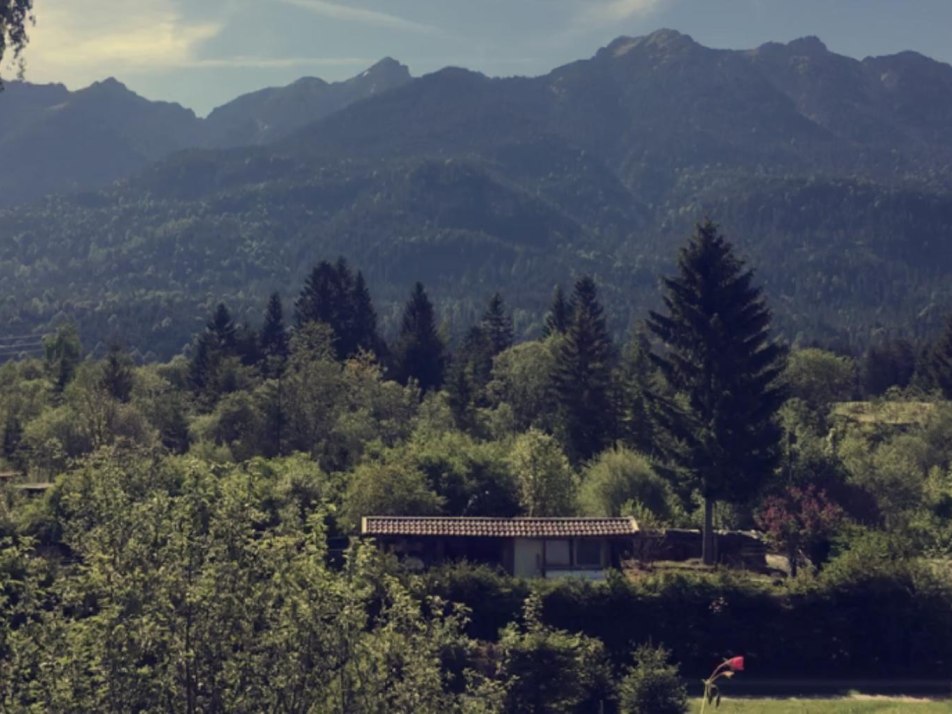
(823, 169)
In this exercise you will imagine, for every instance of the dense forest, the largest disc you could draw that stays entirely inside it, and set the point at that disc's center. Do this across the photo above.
(192, 550)
(831, 174)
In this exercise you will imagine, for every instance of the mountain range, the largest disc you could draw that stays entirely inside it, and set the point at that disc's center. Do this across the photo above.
(831, 174)
(54, 140)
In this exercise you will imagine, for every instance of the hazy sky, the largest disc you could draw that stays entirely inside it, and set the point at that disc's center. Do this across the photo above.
(202, 53)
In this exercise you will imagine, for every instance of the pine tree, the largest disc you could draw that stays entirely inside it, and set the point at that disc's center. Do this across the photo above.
(583, 376)
(420, 349)
(327, 297)
(273, 339)
(634, 381)
(12, 439)
(222, 330)
(469, 372)
(496, 323)
(889, 364)
(720, 359)
(63, 352)
(559, 316)
(117, 376)
(208, 374)
(364, 324)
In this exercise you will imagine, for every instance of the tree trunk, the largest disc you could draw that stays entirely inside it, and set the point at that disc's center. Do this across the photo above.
(792, 556)
(707, 535)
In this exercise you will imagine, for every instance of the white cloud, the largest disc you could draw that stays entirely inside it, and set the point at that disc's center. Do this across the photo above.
(81, 40)
(336, 11)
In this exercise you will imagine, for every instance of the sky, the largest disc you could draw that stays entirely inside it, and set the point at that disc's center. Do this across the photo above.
(202, 53)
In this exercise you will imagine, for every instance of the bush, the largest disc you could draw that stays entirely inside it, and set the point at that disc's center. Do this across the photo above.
(551, 670)
(619, 476)
(822, 622)
(652, 685)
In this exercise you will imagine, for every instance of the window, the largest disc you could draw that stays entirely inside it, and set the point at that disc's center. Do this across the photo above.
(558, 553)
(588, 553)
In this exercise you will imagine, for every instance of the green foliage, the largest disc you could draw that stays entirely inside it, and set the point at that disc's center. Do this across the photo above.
(619, 476)
(891, 363)
(273, 339)
(15, 19)
(820, 378)
(582, 377)
(334, 296)
(388, 489)
(559, 316)
(551, 670)
(720, 357)
(419, 352)
(522, 379)
(473, 478)
(187, 595)
(63, 353)
(652, 685)
(547, 484)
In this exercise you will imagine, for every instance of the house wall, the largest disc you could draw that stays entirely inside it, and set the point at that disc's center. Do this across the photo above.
(527, 562)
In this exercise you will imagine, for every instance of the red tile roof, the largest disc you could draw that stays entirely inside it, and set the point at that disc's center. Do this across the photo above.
(497, 527)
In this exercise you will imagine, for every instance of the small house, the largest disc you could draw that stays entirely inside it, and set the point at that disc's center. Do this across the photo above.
(524, 547)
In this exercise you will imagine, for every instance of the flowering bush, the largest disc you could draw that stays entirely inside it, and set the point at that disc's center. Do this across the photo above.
(798, 519)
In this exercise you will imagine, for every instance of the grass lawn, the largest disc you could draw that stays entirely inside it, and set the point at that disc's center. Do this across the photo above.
(850, 705)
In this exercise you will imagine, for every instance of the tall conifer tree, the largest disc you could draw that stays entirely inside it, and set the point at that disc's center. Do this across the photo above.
(583, 376)
(720, 359)
(420, 349)
(327, 297)
(364, 325)
(273, 338)
(559, 315)
(497, 324)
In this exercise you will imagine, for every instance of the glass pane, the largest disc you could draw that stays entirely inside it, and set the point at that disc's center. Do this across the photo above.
(557, 552)
(588, 553)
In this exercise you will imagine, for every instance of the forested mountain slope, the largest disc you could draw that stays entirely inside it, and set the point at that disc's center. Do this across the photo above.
(831, 175)
(53, 140)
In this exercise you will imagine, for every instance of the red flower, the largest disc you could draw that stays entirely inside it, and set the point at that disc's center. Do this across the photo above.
(736, 664)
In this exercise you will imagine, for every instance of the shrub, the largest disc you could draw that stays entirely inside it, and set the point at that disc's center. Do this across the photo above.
(652, 685)
(551, 670)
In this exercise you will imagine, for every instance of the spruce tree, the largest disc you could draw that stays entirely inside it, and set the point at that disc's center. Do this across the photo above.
(496, 323)
(327, 297)
(273, 339)
(420, 349)
(559, 316)
(469, 372)
(117, 378)
(364, 321)
(223, 331)
(634, 380)
(723, 366)
(582, 378)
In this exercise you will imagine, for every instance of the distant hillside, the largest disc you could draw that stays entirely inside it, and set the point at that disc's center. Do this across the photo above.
(270, 114)
(831, 174)
(56, 141)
